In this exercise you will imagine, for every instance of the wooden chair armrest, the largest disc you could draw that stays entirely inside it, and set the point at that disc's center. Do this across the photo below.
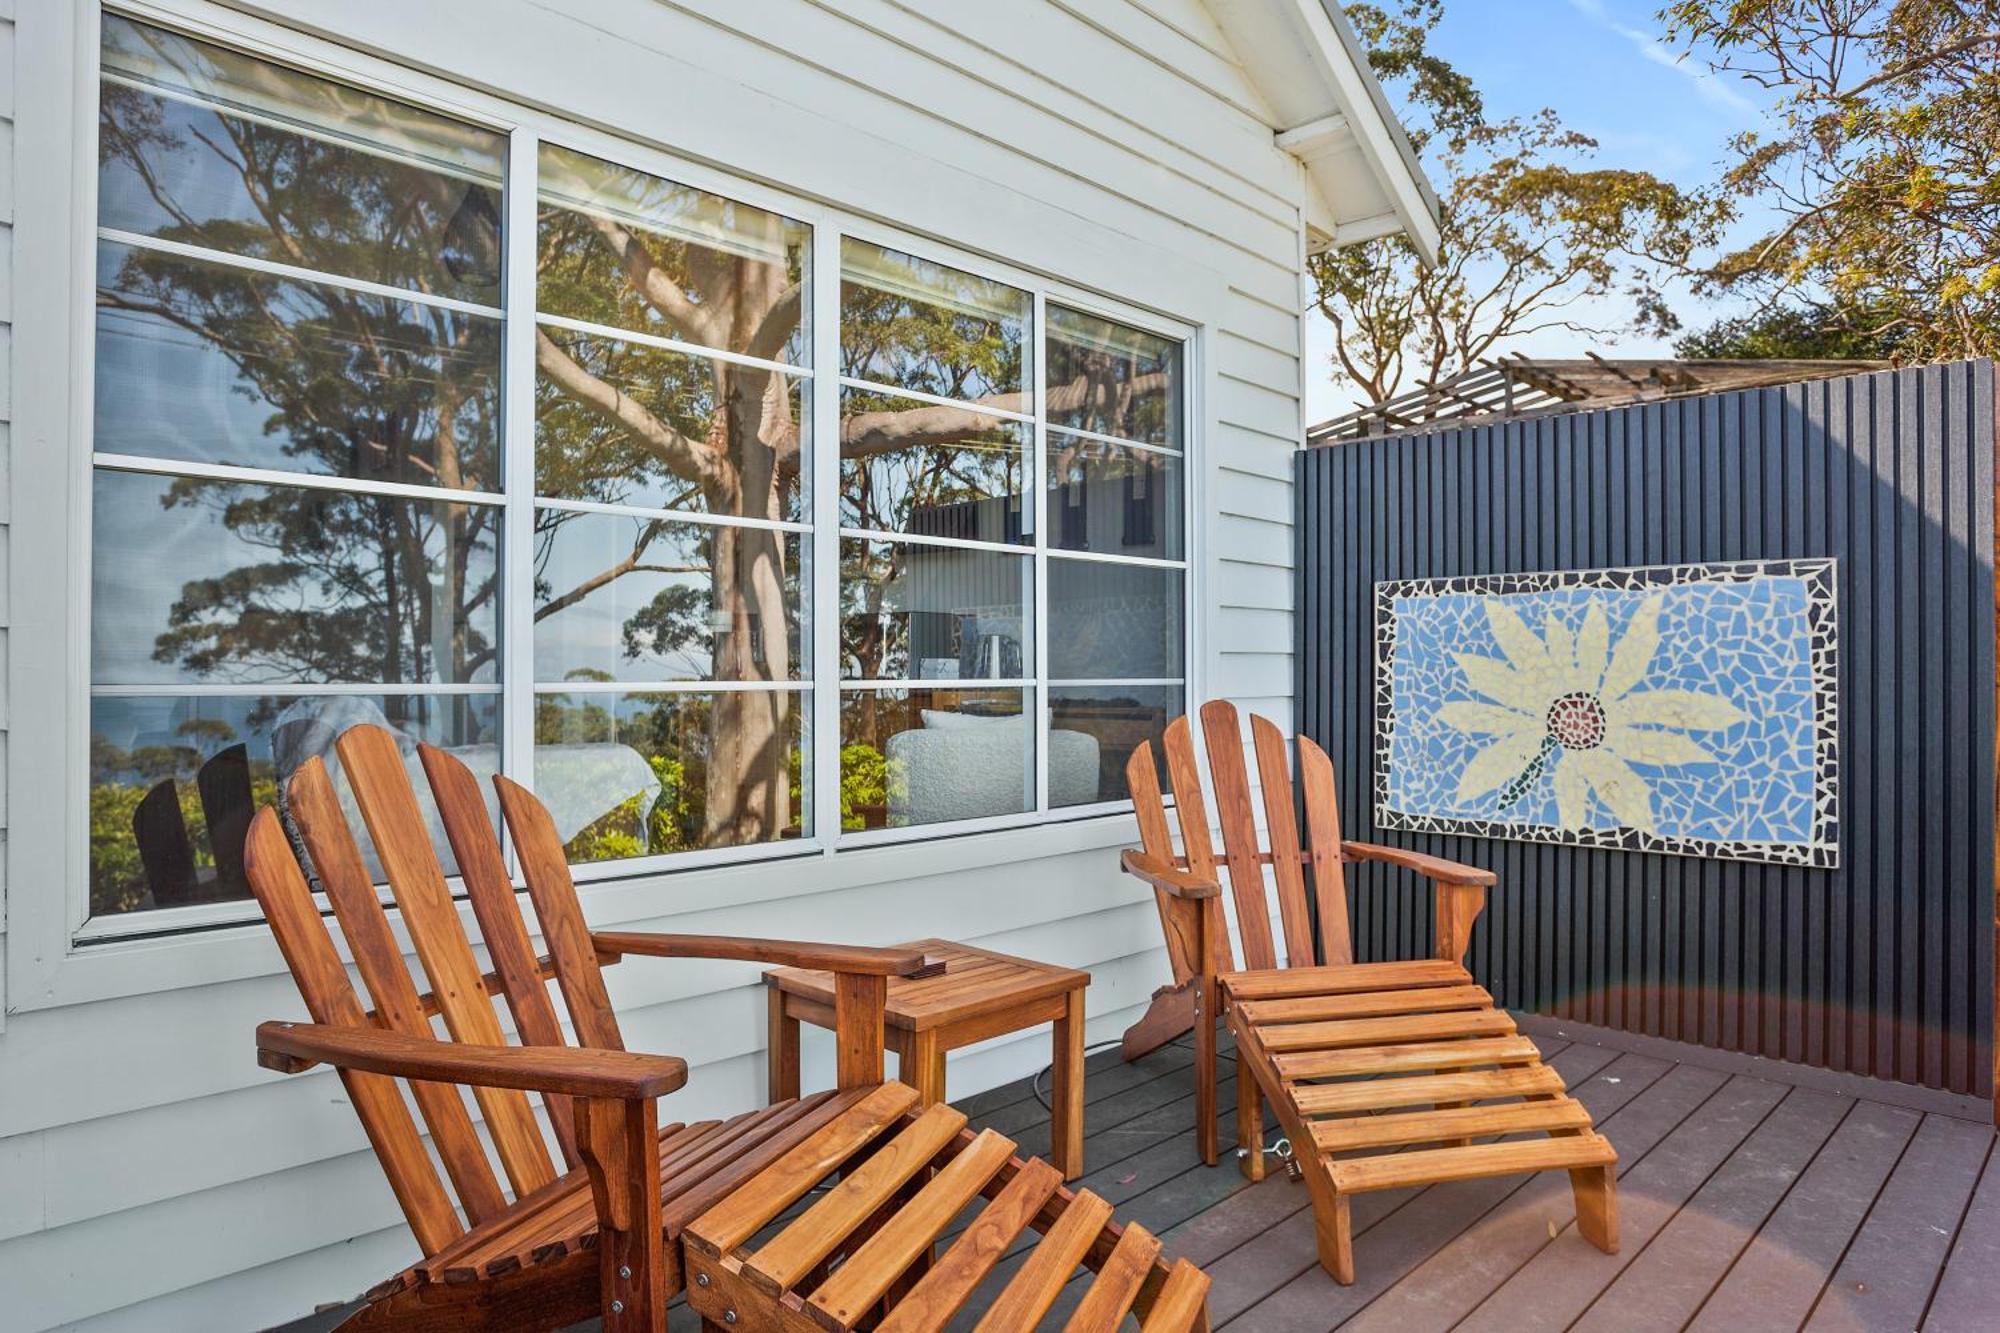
(620, 1075)
(851, 959)
(1167, 879)
(1430, 867)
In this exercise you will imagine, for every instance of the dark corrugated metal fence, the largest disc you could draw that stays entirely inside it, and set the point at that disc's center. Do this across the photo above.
(1883, 966)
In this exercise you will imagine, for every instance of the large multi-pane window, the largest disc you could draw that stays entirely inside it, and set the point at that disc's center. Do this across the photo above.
(386, 431)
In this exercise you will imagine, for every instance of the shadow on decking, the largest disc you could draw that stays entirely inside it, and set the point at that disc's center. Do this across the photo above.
(1773, 1198)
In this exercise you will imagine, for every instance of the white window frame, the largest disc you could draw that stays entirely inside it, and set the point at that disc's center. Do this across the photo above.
(54, 954)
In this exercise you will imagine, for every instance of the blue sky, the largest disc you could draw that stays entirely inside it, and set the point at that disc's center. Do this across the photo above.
(1602, 66)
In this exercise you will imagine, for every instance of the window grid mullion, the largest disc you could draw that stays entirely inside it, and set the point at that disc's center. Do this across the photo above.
(822, 609)
(1035, 509)
(517, 739)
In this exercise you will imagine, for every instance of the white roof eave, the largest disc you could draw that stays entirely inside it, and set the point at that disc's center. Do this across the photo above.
(1330, 113)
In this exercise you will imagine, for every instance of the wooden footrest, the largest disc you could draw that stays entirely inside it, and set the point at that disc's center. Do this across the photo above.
(1421, 1082)
(1347, 1032)
(1440, 1126)
(1368, 1004)
(1280, 982)
(868, 1245)
(1424, 1090)
(1406, 1057)
(1433, 1165)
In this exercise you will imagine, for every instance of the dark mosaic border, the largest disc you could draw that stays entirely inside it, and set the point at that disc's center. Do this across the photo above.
(1822, 852)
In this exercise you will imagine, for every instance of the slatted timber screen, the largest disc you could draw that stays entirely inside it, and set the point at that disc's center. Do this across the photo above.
(1883, 966)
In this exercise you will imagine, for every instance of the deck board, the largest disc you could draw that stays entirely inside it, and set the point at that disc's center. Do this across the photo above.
(1963, 1300)
(1777, 1280)
(1559, 1283)
(1885, 1279)
(1749, 1200)
(1667, 1282)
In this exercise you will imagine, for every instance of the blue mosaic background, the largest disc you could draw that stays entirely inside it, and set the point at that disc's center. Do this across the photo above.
(1746, 641)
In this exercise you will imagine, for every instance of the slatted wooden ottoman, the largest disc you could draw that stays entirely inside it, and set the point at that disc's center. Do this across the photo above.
(904, 1175)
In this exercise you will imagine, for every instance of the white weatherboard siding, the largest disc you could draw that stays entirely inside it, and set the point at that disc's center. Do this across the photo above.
(151, 1176)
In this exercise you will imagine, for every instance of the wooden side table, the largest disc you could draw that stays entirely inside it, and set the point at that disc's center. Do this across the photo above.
(979, 994)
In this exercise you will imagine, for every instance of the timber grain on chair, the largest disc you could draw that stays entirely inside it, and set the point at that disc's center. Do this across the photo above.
(1382, 1074)
(627, 1212)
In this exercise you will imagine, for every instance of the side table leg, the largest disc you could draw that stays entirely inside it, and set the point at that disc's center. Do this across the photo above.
(1066, 1090)
(923, 1069)
(781, 1052)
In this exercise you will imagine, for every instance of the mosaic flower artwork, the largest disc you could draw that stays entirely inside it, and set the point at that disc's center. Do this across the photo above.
(1685, 708)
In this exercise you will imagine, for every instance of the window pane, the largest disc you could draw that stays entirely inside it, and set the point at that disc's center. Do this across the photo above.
(1113, 621)
(643, 599)
(216, 364)
(1112, 379)
(629, 249)
(210, 147)
(929, 756)
(909, 466)
(1116, 718)
(195, 580)
(626, 423)
(910, 611)
(174, 781)
(629, 775)
(1114, 499)
(925, 326)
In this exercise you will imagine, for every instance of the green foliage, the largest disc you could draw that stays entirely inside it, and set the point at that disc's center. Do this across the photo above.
(1881, 164)
(1797, 332)
(864, 784)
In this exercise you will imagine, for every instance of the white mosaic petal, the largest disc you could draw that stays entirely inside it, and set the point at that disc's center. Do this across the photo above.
(1497, 765)
(1477, 719)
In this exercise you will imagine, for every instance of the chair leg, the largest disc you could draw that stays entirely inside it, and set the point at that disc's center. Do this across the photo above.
(1249, 1125)
(619, 1142)
(1204, 1073)
(1335, 1226)
(1596, 1189)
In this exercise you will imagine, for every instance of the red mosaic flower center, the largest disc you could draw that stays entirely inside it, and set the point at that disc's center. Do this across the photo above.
(1577, 721)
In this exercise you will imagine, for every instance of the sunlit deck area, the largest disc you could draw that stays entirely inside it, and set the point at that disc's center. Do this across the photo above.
(1775, 1199)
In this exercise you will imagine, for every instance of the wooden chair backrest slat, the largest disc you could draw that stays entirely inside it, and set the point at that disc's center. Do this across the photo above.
(281, 889)
(487, 883)
(1192, 812)
(1143, 781)
(344, 875)
(546, 869)
(1288, 857)
(402, 840)
(1239, 832)
(1323, 827)
(1282, 824)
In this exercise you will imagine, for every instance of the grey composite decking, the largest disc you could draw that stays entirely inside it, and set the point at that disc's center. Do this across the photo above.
(1748, 1202)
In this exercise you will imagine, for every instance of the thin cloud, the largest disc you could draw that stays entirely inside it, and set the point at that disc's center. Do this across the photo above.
(1710, 88)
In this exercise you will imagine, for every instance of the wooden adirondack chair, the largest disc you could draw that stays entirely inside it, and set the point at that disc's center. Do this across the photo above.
(1347, 1052)
(634, 1208)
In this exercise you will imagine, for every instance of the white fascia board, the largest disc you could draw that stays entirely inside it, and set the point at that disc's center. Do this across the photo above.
(1367, 118)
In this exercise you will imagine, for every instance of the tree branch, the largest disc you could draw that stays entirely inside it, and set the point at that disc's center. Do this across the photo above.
(686, 458)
